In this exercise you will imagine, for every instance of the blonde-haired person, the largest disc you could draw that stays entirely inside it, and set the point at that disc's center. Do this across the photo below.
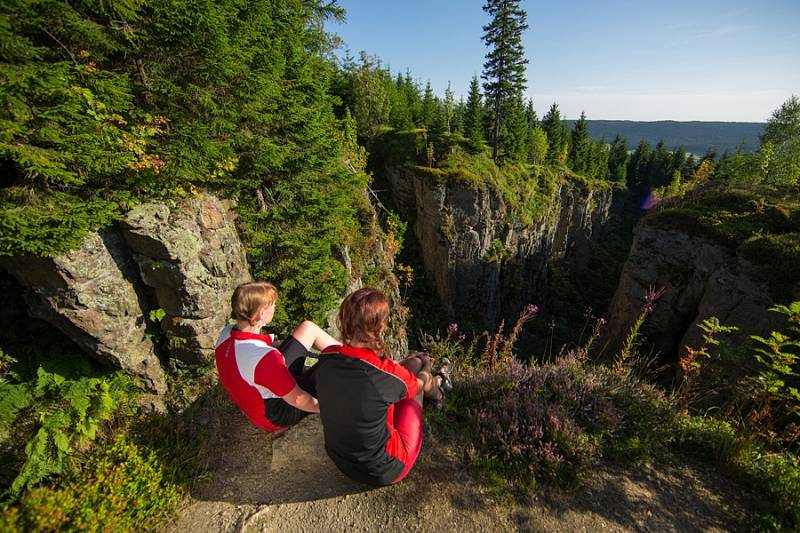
(371, 406)
(267, 382)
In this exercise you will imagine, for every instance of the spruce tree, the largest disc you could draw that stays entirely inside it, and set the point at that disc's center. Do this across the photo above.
(414, 100)
(551, 123)
(400, 114)
(580, 146)
(428, 107)
(617, 160)
(638, 165)
(530, 114)
(458, 116)
(473, 115)
(536, 137)
(513, 142)
(371, 99)
(504, 69)
(598, 159)
(104, 104)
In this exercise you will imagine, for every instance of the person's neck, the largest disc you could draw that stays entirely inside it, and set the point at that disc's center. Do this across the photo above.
(245, 327)
(359, 344)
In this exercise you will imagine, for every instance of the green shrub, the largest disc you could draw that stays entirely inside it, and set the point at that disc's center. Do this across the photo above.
(122, 488)
(52, 416)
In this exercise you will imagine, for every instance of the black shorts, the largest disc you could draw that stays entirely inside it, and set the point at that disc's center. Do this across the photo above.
(276, 410)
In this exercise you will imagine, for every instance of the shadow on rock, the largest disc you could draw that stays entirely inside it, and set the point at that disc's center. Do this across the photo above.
(250, 466)
(688, 497)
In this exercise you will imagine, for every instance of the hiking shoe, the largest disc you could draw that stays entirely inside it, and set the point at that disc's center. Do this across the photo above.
(444, 373)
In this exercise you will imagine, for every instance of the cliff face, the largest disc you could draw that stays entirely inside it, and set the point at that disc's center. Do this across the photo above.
(701, 278)
(485, 264)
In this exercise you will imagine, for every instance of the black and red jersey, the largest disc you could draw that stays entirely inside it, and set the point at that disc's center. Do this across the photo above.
(357, 390)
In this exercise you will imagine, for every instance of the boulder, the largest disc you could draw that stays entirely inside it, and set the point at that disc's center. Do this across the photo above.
(93, 296)
(189, 252)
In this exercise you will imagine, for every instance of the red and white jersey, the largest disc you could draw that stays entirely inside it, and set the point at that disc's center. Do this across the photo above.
(252, 370)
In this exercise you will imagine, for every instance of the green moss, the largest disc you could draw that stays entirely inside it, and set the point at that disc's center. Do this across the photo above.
(763, 226)
(526, 190)
(731, 216)
(777, 258)
(497, 253)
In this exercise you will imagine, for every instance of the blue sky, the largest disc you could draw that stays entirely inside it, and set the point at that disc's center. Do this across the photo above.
(616, 59)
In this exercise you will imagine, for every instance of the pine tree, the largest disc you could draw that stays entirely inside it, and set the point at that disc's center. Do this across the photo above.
(473, 115)
(659, 172)
(504, 69)
(117, 104)
(562, 155)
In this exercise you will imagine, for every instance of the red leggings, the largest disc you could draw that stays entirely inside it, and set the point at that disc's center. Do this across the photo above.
(408, 424)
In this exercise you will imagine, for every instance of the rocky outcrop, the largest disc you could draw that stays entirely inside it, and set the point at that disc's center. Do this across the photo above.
(700, 279)
(486, 264)
(183, 258)
(189, 252)
(94, 296)
(177, 261)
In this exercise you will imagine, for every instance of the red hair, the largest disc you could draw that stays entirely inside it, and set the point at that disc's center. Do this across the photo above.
(363, 316)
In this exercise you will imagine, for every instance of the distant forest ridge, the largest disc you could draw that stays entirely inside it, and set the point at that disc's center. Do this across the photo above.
(696, 137)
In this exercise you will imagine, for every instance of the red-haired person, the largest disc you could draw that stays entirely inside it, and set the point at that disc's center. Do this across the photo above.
(370, 405)
(267, 382)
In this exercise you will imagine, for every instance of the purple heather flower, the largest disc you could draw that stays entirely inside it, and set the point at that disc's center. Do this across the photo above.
(452, 328)
(532, 309)
(462, 337)
(602, 321)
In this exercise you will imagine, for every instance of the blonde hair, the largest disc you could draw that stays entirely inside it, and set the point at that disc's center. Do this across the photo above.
(363, 316)
(249, 298)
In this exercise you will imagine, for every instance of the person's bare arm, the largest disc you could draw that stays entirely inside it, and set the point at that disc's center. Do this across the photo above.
(299, 398)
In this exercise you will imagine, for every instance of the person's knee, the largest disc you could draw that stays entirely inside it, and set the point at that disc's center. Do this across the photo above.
(305, 333)
(309, 328)
(414, 364)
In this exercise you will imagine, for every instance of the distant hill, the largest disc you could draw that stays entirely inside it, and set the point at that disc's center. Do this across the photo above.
(696, 137)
